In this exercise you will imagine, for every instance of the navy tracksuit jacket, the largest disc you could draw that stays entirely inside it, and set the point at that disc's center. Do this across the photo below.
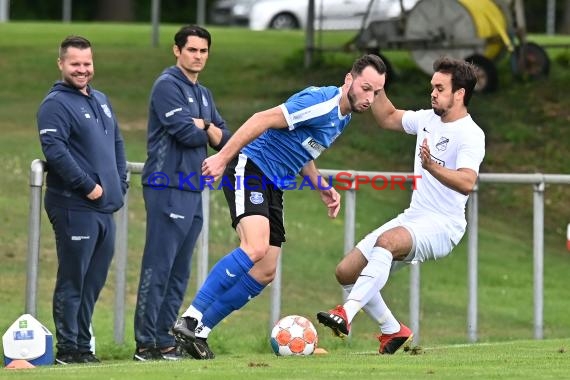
(176, 149)
(83, 147)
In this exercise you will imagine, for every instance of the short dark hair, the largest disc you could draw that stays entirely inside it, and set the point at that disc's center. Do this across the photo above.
(368, 60)
(181, 37)
(463, 75)
(73, 41)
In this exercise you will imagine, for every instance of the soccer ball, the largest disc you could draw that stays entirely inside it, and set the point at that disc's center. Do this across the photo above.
(293, 335)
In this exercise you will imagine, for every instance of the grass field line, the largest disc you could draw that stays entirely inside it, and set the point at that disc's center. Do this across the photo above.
(460, 345)
(122, 363)
(448, 346)
(483, 344)
(113, 364)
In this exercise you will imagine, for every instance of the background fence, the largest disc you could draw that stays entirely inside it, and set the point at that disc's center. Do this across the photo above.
(536, 180)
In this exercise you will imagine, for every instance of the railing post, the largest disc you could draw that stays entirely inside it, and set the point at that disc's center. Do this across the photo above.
(349, 223)
(349, 219)
(121, 249)
(538, 255)
(472, 258)
(37, 170)
(415, 301)
(275, 307)
(275, 301)
(202, 259)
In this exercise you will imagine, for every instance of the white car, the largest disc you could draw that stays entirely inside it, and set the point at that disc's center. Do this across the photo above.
(292, 14)
(231, 12)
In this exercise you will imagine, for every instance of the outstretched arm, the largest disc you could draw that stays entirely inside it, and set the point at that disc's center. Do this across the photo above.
(385, 114)
(251, 129)
(329, 195)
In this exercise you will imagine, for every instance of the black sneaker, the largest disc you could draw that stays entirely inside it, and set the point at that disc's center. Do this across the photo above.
(174, 353)
(199, 349)
(183, 330)
(87, 357)
(65, 358)
(145, 354)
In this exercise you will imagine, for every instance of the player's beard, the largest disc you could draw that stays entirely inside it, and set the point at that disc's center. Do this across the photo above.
(443, 110)
(352, 101)
(80, 85)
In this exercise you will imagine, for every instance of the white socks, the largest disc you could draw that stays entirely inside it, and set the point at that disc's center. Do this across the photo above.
(193, 312)
(365, 293)
(201, 330)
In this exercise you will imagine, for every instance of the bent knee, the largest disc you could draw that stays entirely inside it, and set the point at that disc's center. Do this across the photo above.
(384, 242)
(344, 275)
(256, 252)
(266, 277)
(395, 247)
(397, 241)
(348, 270)
(263, 275)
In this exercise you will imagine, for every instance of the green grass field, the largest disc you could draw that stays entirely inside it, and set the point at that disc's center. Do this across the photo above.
(526, 124)
(508, 360)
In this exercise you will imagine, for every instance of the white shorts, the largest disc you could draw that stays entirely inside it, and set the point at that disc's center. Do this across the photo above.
(432, 237)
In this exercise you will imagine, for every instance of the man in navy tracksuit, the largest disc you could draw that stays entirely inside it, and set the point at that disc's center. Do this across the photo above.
(86, 181)
(183, 121)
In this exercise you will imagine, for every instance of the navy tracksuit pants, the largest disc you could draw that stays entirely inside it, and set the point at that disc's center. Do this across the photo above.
(85, 242)
(173, 224)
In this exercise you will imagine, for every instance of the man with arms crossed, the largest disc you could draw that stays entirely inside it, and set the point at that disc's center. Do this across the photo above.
(449, 149)
(183, 121)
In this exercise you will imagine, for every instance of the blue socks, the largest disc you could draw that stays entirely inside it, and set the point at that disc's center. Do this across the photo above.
(234, 299)
(223, 276)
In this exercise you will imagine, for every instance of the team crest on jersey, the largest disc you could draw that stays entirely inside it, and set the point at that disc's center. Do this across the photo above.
(442, 144)
(106, 110)
(85, 113)
(256, 197)
(204, 101)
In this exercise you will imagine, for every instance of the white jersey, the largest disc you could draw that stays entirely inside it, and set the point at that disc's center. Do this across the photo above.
(454, 145)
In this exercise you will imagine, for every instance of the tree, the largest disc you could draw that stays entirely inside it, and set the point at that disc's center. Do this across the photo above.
(565, 24)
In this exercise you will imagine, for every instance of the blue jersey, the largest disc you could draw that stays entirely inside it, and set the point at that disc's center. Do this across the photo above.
(314, 120)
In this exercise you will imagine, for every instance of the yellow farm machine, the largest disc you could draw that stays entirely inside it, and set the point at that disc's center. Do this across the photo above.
(479, 31)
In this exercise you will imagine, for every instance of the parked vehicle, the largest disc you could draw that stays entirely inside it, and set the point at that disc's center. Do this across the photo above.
(292, 14)
(231, 12)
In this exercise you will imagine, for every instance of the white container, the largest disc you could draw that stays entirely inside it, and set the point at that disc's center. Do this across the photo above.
(27, 339)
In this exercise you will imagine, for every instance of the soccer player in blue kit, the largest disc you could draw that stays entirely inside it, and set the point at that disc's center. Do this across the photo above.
(271, 145)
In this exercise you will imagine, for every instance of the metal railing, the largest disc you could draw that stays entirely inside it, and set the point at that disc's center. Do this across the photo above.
(537, 180)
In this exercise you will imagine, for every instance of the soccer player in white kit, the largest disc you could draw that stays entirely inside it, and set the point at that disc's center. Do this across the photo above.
(450, 146)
